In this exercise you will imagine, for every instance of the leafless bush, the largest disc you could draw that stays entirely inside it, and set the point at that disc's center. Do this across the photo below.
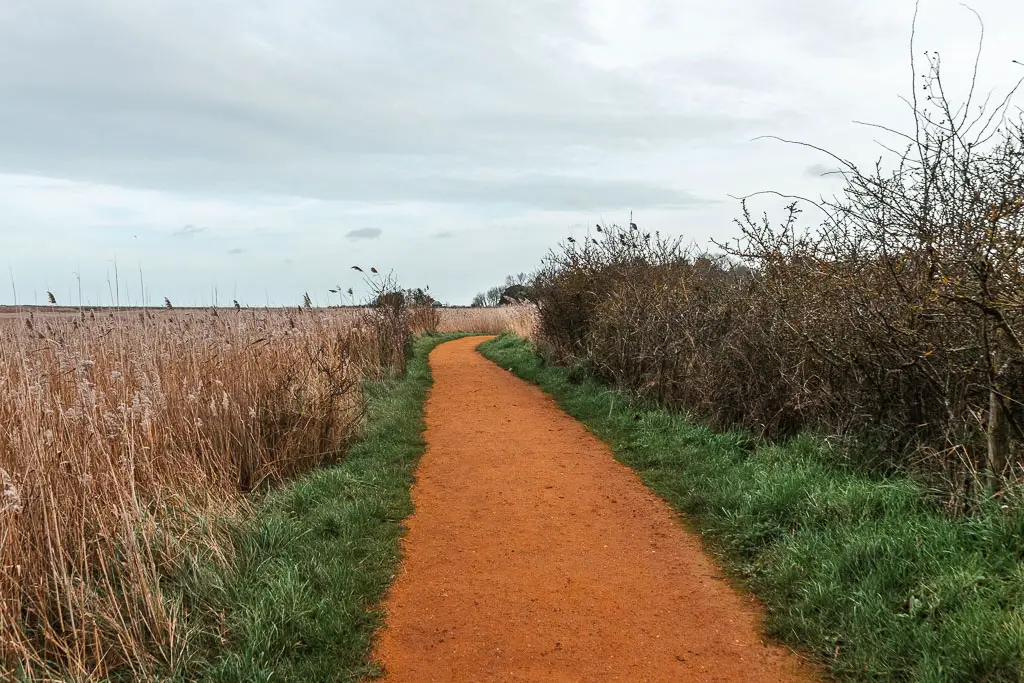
(691, 335)
(900, 316)
(393, 315)
(576, 278)
(911, 294)
(425, 313)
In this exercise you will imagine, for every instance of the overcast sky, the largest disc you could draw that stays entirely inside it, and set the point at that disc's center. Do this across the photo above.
(259, 148)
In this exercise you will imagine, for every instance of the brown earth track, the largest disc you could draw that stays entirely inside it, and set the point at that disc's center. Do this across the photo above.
(533, 555)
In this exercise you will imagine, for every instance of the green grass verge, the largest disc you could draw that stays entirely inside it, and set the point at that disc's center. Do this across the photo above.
(862, 573)
(298, 603)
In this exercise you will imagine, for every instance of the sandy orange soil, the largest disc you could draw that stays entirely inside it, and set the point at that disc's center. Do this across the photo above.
(534, 556)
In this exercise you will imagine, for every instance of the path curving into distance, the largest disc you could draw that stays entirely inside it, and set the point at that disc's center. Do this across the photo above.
(533, 555)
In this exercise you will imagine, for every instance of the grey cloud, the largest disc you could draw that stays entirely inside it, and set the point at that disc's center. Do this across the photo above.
(236, 251)
(554, 192)
(189, 231)
(820, 170)
(536, 190)
(830, 27)
(203, 97)
(364, 234)
(727, 71)
(242, 150)
(498, 125)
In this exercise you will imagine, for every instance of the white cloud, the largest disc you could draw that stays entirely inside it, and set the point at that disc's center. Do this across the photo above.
(190, 231)
(364, 234)
(286, 127)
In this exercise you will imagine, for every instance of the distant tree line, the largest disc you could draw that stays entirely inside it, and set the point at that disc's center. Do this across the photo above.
(516, 289)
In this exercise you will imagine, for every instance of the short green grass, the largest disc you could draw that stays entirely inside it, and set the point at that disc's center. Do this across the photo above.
(862, 573)
(298, 603)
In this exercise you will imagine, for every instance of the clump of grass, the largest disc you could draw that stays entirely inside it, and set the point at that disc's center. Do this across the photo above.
(864, 573)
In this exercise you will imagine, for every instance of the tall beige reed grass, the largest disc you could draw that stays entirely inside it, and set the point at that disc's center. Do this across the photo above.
(122, 436)
(125, 436)
(520, 319)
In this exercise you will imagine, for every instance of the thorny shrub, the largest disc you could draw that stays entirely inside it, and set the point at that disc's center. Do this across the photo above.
(899, 319)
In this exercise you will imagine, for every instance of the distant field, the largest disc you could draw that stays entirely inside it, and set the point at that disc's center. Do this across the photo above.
(520, 319)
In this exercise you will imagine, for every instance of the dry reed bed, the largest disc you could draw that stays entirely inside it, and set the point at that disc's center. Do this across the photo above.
(124, 435)
(520, 319)
(121, 434)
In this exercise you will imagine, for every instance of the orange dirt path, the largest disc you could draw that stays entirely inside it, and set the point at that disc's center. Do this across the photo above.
(533, 555)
